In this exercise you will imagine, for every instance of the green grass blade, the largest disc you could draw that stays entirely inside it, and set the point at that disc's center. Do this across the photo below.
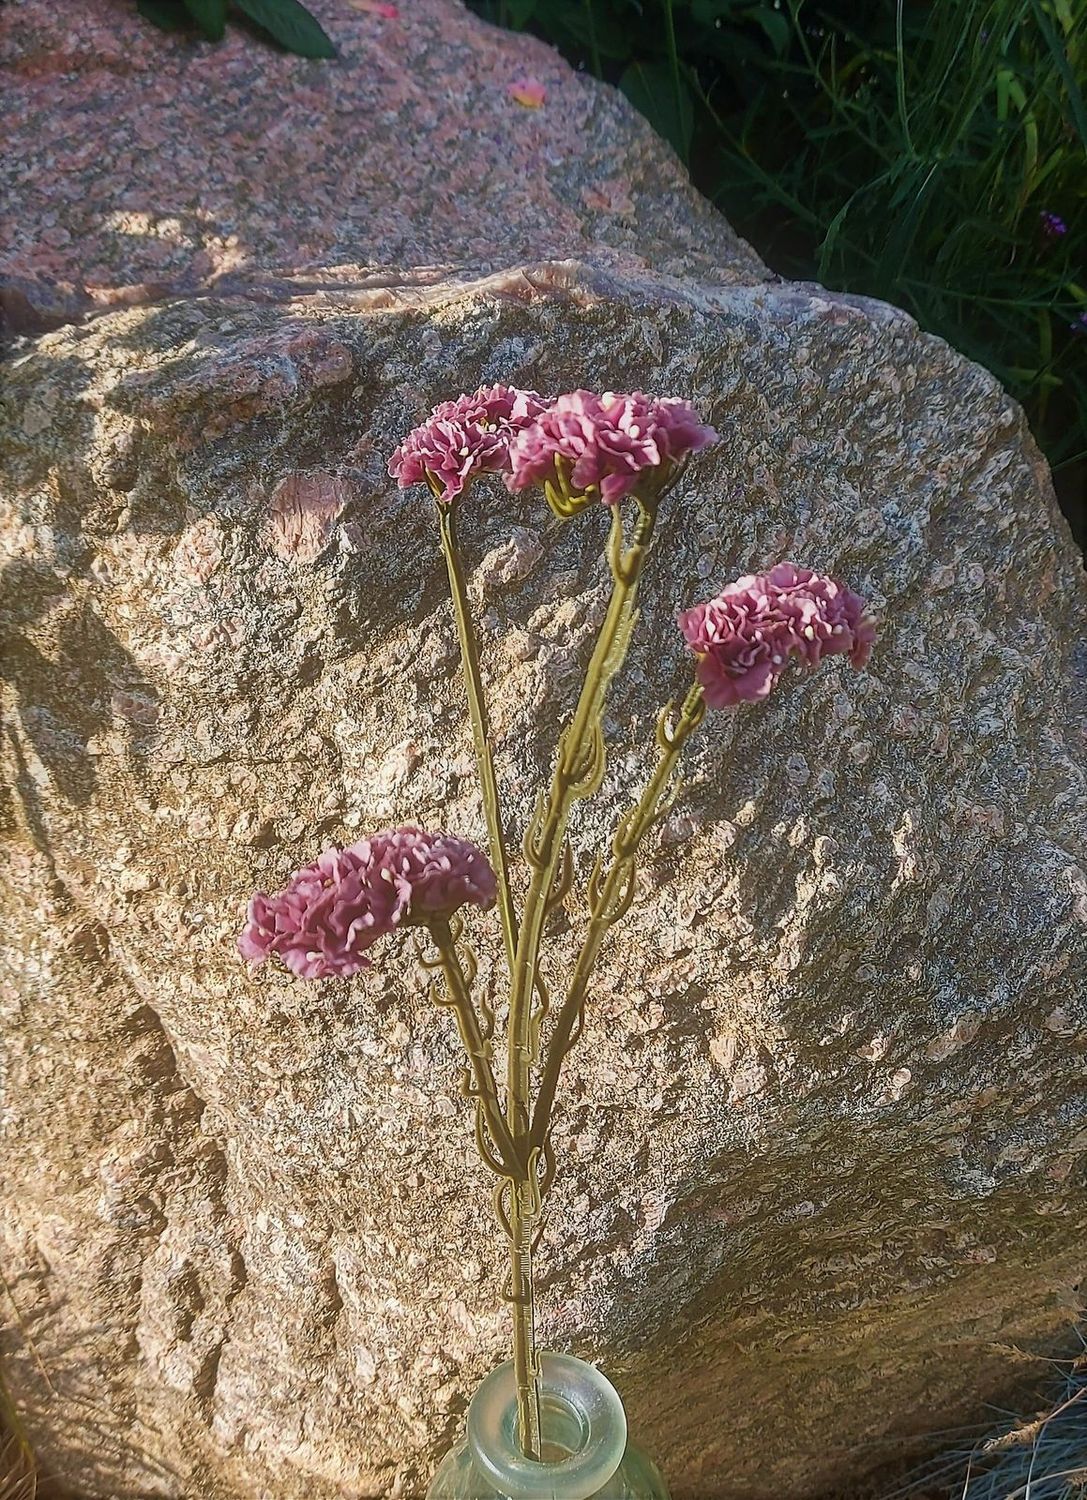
(291, 25)
(210, 16)
(1060, 62)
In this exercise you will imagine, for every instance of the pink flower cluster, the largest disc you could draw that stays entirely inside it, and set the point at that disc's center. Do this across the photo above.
(332, 911)
(745, 637)
(463, 438)
(596, 444)
(604, 443)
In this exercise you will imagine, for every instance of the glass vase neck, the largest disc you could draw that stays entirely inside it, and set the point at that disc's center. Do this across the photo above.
(583, 1425)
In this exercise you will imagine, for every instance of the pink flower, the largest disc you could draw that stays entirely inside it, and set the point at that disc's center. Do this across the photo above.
(745, 636)
(741, 642)
(603, 444)
(326, 917)
(442, 871)
(828, 619)
(463, 438)
(332, 911)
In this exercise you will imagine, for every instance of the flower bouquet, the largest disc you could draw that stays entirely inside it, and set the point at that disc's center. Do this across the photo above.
(546, 1425)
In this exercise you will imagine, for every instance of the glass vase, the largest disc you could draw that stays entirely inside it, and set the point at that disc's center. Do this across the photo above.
(585, 1447)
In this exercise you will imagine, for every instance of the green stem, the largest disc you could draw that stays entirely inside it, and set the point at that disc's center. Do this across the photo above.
(594, 47)
(673, 56)
(524, 1208)
(486, 1089)
(578, 772)
(481, 730)
(522, 1191)
(610, 897)
(900, 80)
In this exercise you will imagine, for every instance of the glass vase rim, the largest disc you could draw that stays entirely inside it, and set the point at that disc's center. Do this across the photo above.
(565, 1381)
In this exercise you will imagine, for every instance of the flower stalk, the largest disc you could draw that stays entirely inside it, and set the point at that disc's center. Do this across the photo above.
(477, 1050)
(581, 449)
(611, 891)
(579, 770)
(477, 713)
(522, 1196)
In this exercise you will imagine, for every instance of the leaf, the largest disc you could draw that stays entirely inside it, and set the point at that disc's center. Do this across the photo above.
(775, 26)
(167, 15)
(210, 16)
(664, 99)
(588, 27)
(706, 12)
(521, 12)
(291, 25)
(1061, 63)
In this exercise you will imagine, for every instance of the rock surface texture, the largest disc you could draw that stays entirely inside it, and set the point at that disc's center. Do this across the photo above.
(823, 1146)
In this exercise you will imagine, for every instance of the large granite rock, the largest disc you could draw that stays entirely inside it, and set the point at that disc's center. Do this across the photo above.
(136, 167)
(823, 1147)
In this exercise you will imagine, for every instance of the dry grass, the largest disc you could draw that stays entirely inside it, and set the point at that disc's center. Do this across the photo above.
(1044, 1458)
(18, 1471)
(18, 1474)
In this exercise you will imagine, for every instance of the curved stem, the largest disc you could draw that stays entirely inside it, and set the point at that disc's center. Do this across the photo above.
(515, 1127)
(578, 772)
(460, 1003)
(610, 897)
(481, 729)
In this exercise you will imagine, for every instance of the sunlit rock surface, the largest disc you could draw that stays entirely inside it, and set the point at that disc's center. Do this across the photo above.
(822, 1146)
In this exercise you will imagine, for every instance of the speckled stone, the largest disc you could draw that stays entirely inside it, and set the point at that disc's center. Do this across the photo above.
(823, 1144)
(137, 165)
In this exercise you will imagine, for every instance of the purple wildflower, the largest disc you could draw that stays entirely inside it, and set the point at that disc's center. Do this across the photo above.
(328, 915)
(443, 872)
(827, 618)
(601, 444)
(1079, 323)
(463, 438)
(1053, 226)
(744, 637)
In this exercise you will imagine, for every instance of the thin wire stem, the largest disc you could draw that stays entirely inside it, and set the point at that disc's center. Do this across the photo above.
(610, 896)
(481, 730)
(486, 1089)
(523, 1194)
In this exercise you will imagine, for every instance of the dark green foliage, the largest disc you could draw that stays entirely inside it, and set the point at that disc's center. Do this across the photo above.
(663, 95)
(906, 151)
(167, 15)
(210, 16)
(290, 24)
(285, 22)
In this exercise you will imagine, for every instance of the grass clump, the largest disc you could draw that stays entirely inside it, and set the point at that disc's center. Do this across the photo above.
(18, 1472)
(928, 152)
(1044, 1458)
